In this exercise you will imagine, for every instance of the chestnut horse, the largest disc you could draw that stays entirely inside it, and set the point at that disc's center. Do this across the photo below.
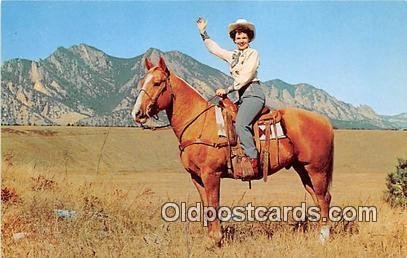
(311, 135)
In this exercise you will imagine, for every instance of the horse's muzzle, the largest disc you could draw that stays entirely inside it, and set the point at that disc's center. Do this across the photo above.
(141, 120)
(142, 117)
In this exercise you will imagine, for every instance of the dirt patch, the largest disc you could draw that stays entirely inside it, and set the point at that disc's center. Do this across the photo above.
(44, 132)
(39, 132)
(13, 131)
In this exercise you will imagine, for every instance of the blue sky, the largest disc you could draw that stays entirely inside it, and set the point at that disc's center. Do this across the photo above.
(356, 51)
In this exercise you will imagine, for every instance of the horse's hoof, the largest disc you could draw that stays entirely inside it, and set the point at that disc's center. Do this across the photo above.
(217, 238)
(324, 234)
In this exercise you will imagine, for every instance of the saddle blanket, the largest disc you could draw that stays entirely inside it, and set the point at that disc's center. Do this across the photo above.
(220, 122)
(279, 133)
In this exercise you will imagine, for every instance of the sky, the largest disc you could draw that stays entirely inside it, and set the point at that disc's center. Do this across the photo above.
(355, 51)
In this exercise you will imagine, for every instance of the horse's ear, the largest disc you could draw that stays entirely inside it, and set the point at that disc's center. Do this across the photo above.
(162, 65)
(148, 64)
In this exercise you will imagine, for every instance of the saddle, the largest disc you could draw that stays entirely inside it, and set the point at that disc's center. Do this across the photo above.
(269, 137)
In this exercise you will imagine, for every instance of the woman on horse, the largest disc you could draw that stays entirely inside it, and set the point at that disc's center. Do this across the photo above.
(244, 62)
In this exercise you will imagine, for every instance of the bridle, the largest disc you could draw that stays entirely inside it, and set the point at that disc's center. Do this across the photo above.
(153, 99)
(166, 84)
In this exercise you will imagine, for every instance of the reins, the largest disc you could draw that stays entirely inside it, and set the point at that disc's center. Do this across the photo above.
(199, 140)
(193, 120)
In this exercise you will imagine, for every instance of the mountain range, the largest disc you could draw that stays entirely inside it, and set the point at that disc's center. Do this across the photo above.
(82, 85)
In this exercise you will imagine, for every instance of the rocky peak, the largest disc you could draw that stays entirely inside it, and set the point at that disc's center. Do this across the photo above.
(83, 47)
(367, 111)
(153, 54)
(37, 78)
(92, 56)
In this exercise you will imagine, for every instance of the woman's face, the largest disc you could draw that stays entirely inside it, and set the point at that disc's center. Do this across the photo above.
(242, 40)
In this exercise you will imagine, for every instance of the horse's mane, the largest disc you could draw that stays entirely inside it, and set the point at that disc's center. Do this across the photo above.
(191, 87)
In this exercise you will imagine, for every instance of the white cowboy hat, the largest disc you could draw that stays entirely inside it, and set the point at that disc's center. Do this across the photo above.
(242, 22)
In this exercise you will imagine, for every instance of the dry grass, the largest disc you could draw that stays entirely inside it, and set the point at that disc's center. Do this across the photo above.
(118, 210)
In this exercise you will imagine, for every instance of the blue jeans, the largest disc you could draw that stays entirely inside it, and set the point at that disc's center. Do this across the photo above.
(251, 103)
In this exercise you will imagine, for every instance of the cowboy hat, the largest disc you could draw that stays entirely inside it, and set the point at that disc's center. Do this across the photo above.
(242, 22)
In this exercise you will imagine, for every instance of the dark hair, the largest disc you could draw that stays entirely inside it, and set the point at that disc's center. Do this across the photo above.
(240, 29)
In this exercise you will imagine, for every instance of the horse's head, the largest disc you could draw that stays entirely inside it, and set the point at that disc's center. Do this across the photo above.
(155, 93)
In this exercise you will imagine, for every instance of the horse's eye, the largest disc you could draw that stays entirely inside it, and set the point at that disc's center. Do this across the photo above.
(157, 83)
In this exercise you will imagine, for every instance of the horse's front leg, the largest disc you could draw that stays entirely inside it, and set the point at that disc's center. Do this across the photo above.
(201, 190)
(211, 181)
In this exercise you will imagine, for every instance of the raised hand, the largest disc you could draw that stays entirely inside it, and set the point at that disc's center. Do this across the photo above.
(201, 23)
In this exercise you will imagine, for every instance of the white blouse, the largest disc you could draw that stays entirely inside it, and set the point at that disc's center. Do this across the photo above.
(243, 63)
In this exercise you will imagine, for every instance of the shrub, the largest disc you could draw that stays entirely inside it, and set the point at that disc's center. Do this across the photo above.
(396, 182)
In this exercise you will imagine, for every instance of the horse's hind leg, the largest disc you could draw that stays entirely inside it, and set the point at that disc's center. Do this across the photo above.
(316, 182)
(320, 187)
(306, 181)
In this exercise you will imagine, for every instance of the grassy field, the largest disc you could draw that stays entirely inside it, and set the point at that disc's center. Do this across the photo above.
(116, 179)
